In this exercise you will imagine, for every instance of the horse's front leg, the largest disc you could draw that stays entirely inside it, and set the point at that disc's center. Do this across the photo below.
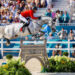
(7, 41)
(16, 36)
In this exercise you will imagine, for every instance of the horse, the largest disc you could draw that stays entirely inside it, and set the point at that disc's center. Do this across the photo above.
(12, 31)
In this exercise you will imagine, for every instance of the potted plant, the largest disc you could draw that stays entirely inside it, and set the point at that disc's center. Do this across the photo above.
(9, 56)
(14, 67)
(65, 53)
(60, 64)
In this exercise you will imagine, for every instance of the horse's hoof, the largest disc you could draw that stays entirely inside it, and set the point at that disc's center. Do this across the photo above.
(16, 36)
(7, 44)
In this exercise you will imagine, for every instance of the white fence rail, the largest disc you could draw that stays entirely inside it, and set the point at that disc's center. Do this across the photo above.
(65, 24)
(38, 42)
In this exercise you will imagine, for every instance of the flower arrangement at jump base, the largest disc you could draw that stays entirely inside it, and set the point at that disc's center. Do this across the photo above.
(60, 64)
(14, 67)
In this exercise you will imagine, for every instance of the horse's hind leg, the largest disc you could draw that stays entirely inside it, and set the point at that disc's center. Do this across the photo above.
(7, 41)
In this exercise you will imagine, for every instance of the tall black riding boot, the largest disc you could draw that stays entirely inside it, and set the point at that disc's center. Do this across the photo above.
(24, 26)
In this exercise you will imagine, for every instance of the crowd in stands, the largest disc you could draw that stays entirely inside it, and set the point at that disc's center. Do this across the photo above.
(60, 16)
(63, 35)
(10, 9)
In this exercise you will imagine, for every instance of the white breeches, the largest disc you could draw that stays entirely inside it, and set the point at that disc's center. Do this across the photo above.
(23, 19)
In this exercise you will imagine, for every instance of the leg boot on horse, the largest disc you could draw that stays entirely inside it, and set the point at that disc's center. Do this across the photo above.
(7, 42)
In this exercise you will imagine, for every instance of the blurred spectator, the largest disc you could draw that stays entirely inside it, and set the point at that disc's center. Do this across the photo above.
(26, 7)
(42, 37)
(73, 52)
(21, 7)
(19, 1)
(61, 19)
(26, 38)
(4, 20)
(66, 17)
(16, 19)
(71, 2)
(14, 10)
(56, 52)
(48, 13)
(71, 35)
(57, 15)
(0, 15)
(37, 2)
(62, 34)
(33, 3)
(10, 19)
(49, 2)
(53, 14)
(0, 4)
(43, 3)
(51, 36)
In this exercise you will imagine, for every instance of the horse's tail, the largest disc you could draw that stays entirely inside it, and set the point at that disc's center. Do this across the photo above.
(1, 32)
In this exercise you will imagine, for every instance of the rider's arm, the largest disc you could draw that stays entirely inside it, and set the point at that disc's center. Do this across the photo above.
(32, 16)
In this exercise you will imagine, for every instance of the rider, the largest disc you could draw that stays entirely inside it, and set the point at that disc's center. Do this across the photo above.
(25, 15)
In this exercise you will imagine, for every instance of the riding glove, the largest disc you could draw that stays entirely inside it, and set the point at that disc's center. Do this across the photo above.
(39, 17)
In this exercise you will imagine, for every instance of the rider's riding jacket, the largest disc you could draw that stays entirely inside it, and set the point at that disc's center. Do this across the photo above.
(28, 13)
